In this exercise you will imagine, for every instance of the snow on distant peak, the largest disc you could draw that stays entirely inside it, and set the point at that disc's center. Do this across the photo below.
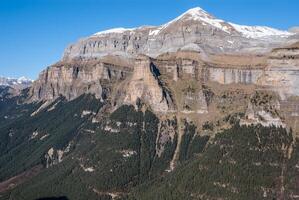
(23, 79)
(259, 31)
(114, 30)
(14, 81)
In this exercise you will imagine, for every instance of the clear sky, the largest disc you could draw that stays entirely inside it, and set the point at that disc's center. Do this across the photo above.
(34, 33)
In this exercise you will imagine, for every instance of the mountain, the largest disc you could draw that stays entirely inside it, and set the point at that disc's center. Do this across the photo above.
(197, 108)
(21, 82)
(194, 30)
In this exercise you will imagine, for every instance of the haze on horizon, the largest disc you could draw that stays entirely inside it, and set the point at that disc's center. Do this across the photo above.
(35, 33)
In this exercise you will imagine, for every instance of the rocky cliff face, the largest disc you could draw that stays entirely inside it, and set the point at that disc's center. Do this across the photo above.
(71, 80)
(282, 71)
(231, 76)
(145, 85)
(151, 80)
(125, 85)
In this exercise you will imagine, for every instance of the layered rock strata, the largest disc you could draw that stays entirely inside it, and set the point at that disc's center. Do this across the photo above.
(146, 86)
(72, 80)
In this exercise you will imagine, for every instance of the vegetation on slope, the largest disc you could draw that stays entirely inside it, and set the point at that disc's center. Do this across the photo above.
(241, 163)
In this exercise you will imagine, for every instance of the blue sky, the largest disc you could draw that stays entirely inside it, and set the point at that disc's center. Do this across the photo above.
(34, 33)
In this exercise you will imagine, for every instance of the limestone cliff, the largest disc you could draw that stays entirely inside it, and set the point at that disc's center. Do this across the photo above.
(71, 80)
(145, 85)
(282, 72)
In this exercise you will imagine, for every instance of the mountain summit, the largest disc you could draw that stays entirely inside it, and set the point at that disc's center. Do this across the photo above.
(203, 17)
(198, 15)
(195, 29)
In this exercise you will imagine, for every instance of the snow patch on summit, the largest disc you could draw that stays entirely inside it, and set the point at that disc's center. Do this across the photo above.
(197, 14)
(259, 31)
(114, 30)
(203, 17)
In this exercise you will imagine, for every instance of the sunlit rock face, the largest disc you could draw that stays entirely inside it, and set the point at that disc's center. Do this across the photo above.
(282, 72)
(73, 80)
(162, 83)
(258, 115)
(146, 86)
(194, 102)
(229, 76)
(284, 80)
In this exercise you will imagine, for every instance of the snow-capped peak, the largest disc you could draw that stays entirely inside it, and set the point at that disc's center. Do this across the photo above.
(195, 14)
(202, 17)
(198, 14)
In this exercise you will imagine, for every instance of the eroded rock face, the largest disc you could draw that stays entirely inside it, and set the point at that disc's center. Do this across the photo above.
(282, 72)
(166, 134)
(194, 101)
(53, 157)
(73, 80)
(263, 108)
(256, 116)
(231, 76)
(146, 86)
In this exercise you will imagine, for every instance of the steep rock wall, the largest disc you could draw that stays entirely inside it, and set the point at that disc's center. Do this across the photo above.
(282, 72)
(73, 80)
(146, 86)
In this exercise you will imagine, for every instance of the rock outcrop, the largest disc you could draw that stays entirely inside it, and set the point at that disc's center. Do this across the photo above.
(263, 109)
(231, 75)
(145, 85)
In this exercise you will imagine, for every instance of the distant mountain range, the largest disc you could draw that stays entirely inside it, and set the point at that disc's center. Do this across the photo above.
(22, 82)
